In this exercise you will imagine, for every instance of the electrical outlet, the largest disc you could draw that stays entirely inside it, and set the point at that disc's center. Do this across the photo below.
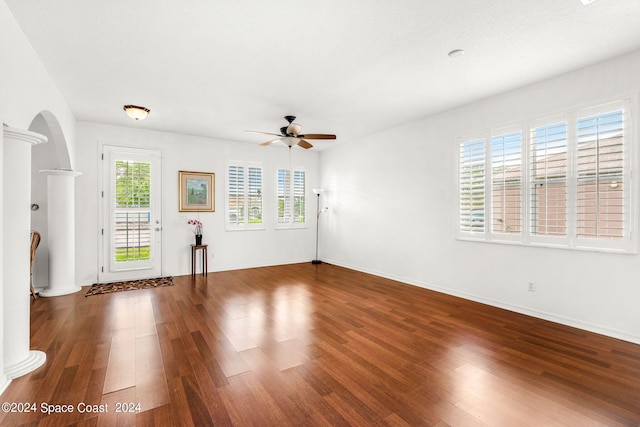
(532, 287)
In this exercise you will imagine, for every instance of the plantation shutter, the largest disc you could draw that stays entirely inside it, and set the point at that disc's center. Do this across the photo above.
(601, 178)
(506, 183)
(299, 190)
(244, 195)
(235, 195)
(284, 197)
(291, 197)
(557, 181)
(255, 195)
(548, 180)
(472, 186)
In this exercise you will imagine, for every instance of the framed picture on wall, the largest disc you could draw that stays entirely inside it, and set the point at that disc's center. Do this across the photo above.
(197, 191)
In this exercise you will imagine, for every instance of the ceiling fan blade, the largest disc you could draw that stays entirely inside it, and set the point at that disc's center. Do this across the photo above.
(317, 136)
(304, 144)
(269, 142)
(262, 133)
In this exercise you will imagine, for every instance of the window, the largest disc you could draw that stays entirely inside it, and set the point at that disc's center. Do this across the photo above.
(548, 180)
(506, 182)
(577, 173)
(472, 166)
(244, 195)
(600, 176)
(291, 196)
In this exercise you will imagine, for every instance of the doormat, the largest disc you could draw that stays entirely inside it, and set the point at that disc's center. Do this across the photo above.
(131, 285)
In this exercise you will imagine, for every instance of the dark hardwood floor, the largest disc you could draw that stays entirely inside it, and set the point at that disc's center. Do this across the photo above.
(305, 345)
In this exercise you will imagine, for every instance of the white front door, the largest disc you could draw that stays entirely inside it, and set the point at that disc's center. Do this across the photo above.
(131, 222)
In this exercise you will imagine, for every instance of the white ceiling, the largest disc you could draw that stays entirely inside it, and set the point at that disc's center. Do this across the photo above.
(214, 67)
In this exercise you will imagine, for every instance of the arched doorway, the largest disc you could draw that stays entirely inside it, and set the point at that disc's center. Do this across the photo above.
(52, 155)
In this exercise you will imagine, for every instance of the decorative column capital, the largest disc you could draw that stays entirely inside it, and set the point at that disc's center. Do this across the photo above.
(32, 138)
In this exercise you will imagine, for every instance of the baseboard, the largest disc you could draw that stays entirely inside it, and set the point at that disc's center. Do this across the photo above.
(232, 267)
(551, 317)
(223, 268)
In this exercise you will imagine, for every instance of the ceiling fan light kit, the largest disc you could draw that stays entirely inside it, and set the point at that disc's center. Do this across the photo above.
(293, 129)
(290, 141)
(290, 135)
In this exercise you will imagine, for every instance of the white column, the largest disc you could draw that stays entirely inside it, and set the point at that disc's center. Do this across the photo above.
(61, 232)
(16, 185)
(4, 381)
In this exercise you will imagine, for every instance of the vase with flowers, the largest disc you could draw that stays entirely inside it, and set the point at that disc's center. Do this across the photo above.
(197, 229)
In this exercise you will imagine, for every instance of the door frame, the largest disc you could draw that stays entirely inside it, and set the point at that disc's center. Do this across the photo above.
(104, 182)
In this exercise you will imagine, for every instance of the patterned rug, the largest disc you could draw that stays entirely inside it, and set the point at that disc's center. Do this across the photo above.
(132, 285)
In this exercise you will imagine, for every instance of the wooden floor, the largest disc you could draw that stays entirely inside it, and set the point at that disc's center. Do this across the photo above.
(306, 345)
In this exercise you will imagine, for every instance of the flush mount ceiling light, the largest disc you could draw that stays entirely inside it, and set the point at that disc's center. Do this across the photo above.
(456, 53)
(587, 1)
(136, 112)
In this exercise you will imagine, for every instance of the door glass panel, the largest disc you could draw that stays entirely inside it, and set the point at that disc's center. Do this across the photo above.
(132, 216)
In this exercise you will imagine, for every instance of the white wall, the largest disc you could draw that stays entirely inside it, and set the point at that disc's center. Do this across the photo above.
(25, 85)
(227, 249)
(392, 199)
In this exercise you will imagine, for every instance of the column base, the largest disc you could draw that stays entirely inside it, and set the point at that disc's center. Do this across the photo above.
(316, 261)
(4, 383)
(31, 363)
(48, 292)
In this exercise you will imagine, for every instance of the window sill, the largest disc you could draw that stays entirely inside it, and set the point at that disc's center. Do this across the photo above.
(549, 246)
(262, 228)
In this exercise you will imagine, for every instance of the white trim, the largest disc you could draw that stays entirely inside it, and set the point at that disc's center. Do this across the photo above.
(106, 271)
(33, 361)
(551, 245)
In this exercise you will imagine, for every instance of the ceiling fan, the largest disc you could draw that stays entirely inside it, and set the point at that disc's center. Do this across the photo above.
(291, 136)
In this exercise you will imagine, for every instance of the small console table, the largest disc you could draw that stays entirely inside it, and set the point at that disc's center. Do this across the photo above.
(194, 252)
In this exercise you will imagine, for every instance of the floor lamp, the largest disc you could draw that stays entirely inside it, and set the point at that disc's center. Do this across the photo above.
(317, 192)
